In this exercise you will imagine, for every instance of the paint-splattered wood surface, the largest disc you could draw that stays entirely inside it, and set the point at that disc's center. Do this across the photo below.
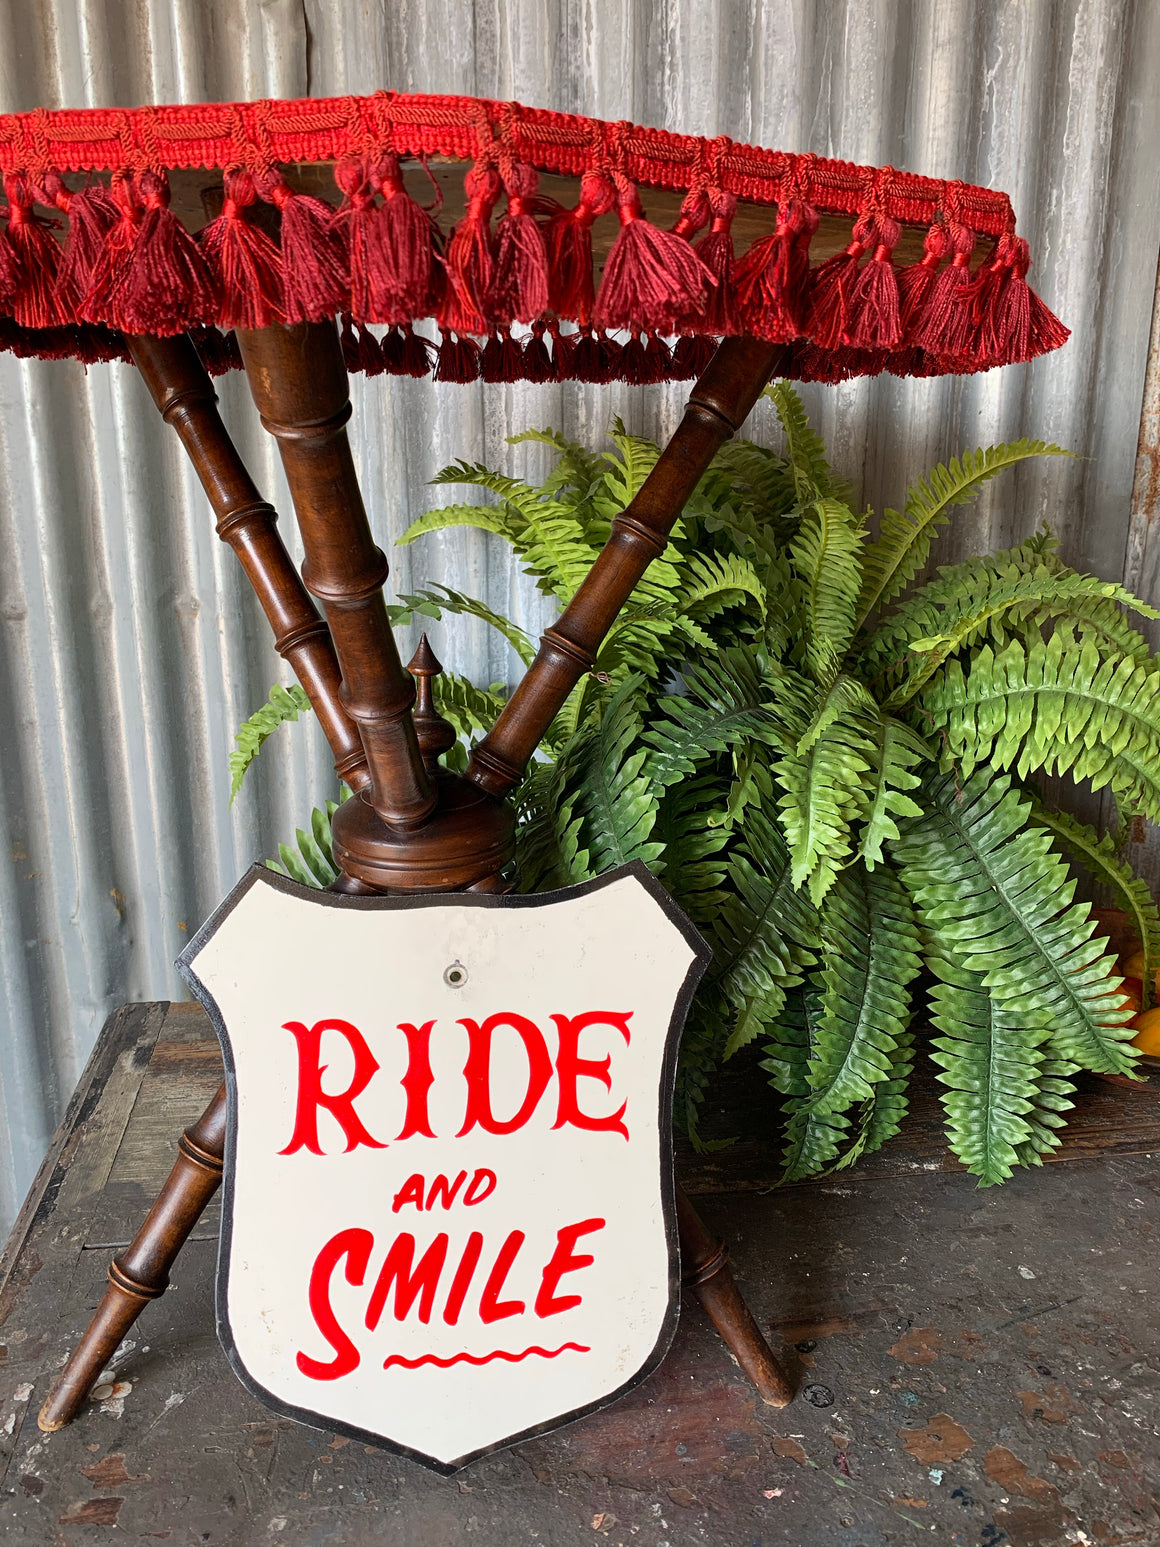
(976, 1367)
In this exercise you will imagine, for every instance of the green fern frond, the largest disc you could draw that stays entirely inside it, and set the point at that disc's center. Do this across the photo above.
(994, 898)
(434, 600)
(543, 531)
(826, 553)
(870, 954)
(1099, 857)
(711, 582)
(991, 1056)
(251, 736)
(1063, 706)
(824, 780)
(1051, 1097)
(312, 862)
(896, 751)
(881, 1115)
(725, 702)
(577, 468)
(903, 545)
(1041, 596)
(755, 481)
(471, 710)
(762, 926)
(805, 448)
(609, 792)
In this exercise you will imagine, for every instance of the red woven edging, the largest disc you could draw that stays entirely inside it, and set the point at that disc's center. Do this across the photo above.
(129, 266)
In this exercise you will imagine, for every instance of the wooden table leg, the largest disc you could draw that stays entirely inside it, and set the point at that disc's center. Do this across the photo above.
(141, 1272)
(705, 1263)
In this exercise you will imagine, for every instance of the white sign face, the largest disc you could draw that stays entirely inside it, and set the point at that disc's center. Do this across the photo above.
(449, 1216)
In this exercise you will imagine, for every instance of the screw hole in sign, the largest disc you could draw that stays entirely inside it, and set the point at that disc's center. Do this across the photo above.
(455, 975)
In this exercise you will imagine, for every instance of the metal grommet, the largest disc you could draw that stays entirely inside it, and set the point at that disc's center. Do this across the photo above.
(455, 976)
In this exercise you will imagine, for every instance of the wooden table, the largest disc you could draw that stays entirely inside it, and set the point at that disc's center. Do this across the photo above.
(985, 1365)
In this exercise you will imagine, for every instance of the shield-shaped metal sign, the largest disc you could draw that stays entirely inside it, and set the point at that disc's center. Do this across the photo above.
(449, 1216)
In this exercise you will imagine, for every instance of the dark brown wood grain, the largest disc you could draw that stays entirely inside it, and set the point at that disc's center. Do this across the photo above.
(299, 385)
(718, 406)
(184, 395)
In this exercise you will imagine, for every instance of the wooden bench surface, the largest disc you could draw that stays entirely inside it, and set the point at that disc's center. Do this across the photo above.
(984, 1367)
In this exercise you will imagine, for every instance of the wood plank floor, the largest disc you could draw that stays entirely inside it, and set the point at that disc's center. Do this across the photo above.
(976, 1367)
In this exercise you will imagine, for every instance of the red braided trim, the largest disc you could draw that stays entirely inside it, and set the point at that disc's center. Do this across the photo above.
(256, 134)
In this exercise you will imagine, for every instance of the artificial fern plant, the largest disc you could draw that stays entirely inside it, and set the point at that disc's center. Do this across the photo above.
(833, 771)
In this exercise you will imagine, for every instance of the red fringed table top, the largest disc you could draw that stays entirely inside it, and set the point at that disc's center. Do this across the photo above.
(512, 283)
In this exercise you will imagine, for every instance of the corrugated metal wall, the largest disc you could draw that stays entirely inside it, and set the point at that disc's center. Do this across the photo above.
(130, 649)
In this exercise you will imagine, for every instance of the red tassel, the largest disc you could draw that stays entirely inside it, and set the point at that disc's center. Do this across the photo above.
(419, 353)
(92, 214)
(519, 287)
(151, 276)
(945, 325)
(389, 245)
(538, 365)
(246, 266)
(692, 355)
(499, 359)
(459, 359)
(715, 250)
(315, 270)
(646, 361)
(770, 280)
(652, 279)
(830, 286)
(873, 318)
(370, 352)
(587, 361)
(916, 281)
(568, 240)
(470, 258)
(28, 267)
(1014, 324)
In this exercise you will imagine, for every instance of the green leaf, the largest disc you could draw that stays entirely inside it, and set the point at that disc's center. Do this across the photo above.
(805, 448)
(901, 550)
(995, 899)
(434, 601)
(1063, 706)
(870, 956)
(824, 780)
(312, 862)
(826, 555)
(991, 1056)
(897, 750)
(251, 736)
(1100, 859)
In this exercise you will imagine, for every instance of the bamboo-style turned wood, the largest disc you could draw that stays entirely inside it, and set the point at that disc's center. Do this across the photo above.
(184, 395)
(706, 1271)
(718, 406)
(141, 1272)
(299, 384)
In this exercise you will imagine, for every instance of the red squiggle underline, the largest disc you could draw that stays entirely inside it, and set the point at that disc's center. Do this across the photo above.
(500, 1353)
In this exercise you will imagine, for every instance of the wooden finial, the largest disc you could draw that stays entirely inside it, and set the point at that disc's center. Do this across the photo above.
(436, 735)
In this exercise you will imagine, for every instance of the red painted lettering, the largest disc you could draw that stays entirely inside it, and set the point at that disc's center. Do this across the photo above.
(461, 1283)
(311, 1095)
(443, 1192)
(491, 1307)
(564, 1260)
(410, 1192)
(418, 1080)
(571, 1068)
(477, 1072)
(355, 1246)
(411, 1283)
(481, 1186)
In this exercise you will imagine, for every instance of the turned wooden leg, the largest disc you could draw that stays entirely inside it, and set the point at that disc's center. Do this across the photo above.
(705, 1261)
(141, 1272)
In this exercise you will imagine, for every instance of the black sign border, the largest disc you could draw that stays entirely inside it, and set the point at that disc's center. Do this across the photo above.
(260, 874)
